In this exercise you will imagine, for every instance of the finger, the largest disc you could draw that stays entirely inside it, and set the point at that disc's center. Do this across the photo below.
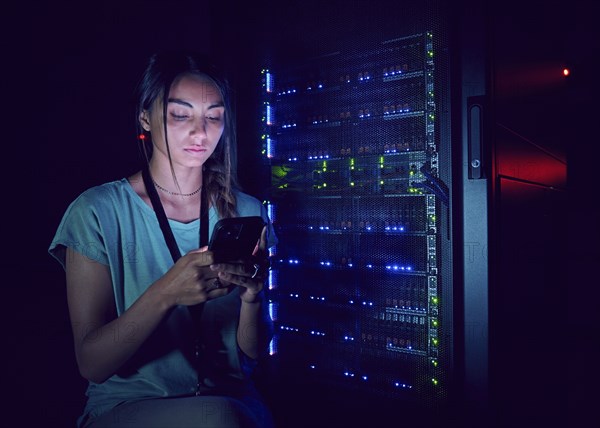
(201, 257)
(261, 246)
(254, 285)
(212, 284)
(247, 269)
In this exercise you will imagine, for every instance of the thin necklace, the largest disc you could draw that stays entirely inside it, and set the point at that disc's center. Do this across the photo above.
(174, 193)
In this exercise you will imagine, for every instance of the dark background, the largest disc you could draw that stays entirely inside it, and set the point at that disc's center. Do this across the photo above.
(68, 73)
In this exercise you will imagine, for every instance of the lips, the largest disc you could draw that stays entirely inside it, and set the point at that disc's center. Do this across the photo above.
(195, 150)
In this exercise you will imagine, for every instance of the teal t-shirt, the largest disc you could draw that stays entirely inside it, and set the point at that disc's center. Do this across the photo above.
(112, 225)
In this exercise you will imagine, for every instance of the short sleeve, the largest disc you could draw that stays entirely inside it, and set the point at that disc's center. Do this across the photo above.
(80, 229)
(250, 206)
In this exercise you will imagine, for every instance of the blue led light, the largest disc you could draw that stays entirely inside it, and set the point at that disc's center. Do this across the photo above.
(402, 385)
(269, 147)
(398, 268)
(273, 311)
(271, 211)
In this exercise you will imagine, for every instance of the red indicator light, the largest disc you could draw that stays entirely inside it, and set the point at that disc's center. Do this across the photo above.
(142, 137)
(566, 72)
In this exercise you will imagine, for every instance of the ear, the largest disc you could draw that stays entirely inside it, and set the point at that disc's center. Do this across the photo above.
(145, 120)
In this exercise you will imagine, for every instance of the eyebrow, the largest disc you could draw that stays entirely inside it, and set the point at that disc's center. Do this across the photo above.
(185, 103)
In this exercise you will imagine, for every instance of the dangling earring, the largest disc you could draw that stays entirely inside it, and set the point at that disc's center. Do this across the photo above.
(143, 147)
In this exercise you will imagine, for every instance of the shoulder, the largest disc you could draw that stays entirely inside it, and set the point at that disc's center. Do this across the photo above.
(102, 194)
(99, 200)
(247, 205)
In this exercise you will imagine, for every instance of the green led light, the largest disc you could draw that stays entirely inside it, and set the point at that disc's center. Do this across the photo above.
(381, 182)
(434, 341)
(352, 183)
(434, 363)
(435, 300)
(434, 381)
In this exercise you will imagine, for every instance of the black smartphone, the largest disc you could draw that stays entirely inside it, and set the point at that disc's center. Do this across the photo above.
(235, 238)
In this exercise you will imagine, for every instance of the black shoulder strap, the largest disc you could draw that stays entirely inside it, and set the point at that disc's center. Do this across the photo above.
(203, 214)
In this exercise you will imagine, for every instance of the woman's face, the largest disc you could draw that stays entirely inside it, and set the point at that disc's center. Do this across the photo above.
(195, 121)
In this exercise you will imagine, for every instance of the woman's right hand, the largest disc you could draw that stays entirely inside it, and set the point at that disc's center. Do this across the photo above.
(191, 281)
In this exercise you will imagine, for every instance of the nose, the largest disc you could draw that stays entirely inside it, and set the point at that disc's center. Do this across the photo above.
(198, 131)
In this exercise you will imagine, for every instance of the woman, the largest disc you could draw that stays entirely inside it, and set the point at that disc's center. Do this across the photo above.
(166, 337)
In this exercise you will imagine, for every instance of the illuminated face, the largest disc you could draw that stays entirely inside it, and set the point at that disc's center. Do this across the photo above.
(195, 121)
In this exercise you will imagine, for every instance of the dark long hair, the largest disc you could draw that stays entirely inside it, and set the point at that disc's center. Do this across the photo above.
(220, 170)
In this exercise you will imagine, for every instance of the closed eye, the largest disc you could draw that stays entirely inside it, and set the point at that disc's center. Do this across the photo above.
(179, 116)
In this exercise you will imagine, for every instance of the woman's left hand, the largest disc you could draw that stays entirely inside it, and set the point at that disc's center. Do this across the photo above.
(249, 275)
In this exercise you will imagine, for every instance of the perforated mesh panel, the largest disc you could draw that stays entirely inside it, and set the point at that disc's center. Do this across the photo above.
(352, 141)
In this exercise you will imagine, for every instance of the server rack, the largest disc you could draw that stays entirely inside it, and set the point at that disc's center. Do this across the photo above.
(357, 290)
